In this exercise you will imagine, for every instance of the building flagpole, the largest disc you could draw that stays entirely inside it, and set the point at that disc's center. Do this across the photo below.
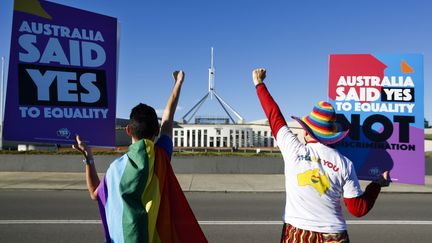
(211, 92)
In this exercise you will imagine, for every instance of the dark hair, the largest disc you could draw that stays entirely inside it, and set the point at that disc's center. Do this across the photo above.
(143, 122)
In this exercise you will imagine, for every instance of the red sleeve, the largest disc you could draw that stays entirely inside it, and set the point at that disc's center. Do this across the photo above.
(361, 205)
(270, 108)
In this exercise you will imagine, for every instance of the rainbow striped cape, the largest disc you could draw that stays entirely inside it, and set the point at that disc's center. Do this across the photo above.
(140, 199)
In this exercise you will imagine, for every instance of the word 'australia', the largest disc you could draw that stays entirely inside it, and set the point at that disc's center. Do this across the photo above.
(370, 81)
(60, 31)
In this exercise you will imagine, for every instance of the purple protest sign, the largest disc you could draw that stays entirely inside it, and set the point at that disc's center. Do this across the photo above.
(381, 98)
(62, 75)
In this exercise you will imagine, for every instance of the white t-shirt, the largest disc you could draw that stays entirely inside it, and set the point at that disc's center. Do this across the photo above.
(316, 177)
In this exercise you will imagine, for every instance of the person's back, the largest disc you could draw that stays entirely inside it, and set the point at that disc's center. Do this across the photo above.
(131, 193)
(140, 199)
(316, 175)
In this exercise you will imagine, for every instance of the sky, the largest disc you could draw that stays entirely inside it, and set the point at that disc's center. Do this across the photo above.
(291, 39)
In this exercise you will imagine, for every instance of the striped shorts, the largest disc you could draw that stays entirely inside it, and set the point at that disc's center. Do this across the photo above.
(291, 234)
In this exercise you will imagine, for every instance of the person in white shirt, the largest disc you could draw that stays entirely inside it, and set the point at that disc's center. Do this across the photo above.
(317, 176)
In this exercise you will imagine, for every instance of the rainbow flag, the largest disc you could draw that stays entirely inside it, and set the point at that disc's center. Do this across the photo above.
(140, 199)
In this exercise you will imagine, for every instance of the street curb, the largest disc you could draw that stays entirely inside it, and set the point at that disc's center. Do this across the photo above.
(194, 191)
(222, 183)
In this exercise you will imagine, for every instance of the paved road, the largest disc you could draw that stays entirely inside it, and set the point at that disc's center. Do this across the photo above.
(69, 216)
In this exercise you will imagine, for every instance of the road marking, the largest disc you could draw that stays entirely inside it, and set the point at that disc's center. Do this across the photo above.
(48, 221)
(392, 222)
(357, 222)
(366, 222)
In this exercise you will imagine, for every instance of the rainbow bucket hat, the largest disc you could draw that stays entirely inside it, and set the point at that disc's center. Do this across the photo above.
(321, 124)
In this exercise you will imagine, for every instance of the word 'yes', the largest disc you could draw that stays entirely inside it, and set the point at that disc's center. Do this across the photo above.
(65, 86)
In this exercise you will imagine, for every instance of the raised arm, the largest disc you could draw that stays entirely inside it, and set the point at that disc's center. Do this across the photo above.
(92, 177)
(269, 106)
(168, 115)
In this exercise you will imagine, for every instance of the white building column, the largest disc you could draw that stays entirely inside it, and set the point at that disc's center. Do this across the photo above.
(196, 138)
(190, 137)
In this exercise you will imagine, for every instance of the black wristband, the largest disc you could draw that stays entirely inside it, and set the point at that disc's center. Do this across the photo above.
(382, 182)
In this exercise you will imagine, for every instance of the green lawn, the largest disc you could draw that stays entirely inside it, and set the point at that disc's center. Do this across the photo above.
(67, 152)
(428, 136)
(428, 155)
(241, 154)
(182, 153)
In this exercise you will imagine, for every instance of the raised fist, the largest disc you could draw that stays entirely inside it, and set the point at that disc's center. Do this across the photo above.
(178, 76)
(258, 75)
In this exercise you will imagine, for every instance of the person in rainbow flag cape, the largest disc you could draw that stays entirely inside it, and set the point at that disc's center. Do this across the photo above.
(317, 176)
(140, 199)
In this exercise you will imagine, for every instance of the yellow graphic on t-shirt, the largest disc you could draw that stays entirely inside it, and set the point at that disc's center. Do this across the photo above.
(313, 178)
